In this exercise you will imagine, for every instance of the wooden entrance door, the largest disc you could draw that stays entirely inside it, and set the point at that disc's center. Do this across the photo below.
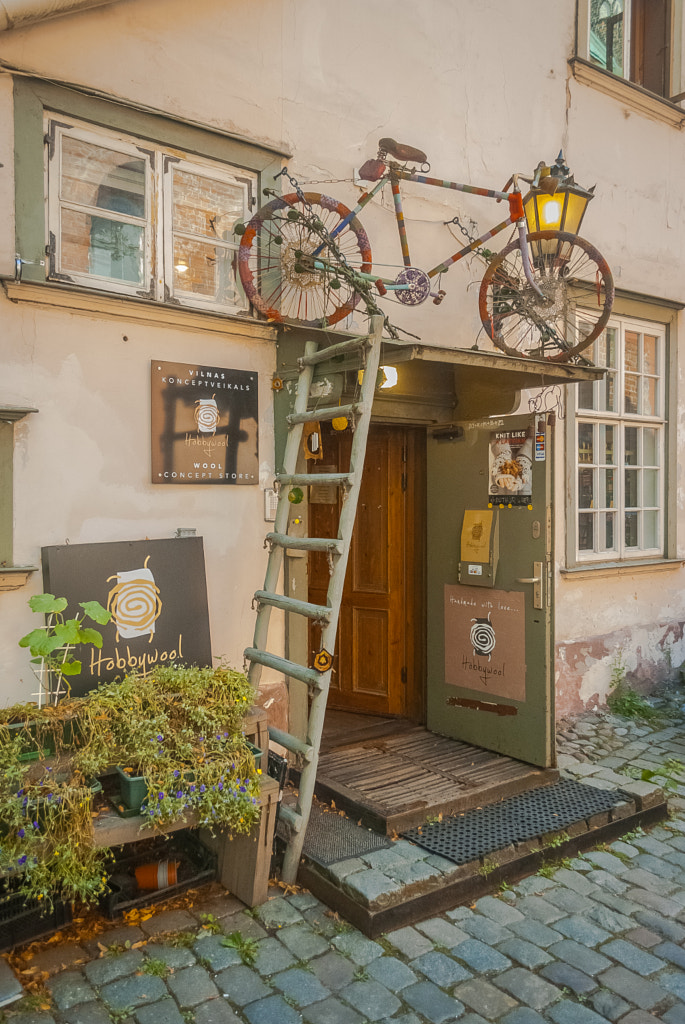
(378, 662)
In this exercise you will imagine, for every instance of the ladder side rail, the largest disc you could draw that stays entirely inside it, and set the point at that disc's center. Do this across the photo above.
(319, 700)
(275, 559)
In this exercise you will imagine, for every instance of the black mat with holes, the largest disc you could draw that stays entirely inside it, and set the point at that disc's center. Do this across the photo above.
(483, 830)
(331, 838)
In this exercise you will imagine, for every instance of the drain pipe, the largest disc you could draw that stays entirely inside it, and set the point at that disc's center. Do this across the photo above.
(17, 13)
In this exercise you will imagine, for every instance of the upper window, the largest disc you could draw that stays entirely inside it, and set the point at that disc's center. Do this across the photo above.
(129, 217)
(620, 441)
(632, 39)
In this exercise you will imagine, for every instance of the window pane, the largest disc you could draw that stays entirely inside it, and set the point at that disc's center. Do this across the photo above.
(631, 488)
(650, 486)
(606, 34)
(649, 446)
(630, 438)
(631, 529)
(609, 531)
(107, 248)
(586, 395)
(585, 443)
(650, 354)
(94, 176)
(649, 396)
(606, 444)
(585, 532)
(631, 351)
(204, 269)
(609, 475)
(205, 206)
(585, 488)
(607, 393)
(650, 529)
(630, 394)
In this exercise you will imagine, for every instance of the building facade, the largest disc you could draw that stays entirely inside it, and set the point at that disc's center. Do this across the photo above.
(134, 136)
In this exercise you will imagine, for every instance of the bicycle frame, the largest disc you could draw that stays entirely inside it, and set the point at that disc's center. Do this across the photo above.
(396, 174)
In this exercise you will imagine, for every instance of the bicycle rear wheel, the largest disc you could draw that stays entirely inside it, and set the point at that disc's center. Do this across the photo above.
(553, 326)
(277, 268)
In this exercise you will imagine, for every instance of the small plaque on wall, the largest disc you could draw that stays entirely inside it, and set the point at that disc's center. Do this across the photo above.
(204, 424)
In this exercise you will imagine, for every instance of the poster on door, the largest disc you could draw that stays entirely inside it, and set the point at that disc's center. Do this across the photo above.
(204, 424)
(510, 467)
(485, 641)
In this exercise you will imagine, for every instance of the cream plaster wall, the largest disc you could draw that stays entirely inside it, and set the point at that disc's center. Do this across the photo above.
(82, 463)
(485, 89)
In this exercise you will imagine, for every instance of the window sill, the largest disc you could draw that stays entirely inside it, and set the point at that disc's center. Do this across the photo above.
(82, 300)
(632, 95)
(602, 569)
(14, 577)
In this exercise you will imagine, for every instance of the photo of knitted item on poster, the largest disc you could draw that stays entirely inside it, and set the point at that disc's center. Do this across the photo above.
(510, 458)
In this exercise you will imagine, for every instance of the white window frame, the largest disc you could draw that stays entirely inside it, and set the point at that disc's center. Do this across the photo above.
(677, 81)
(619, 419)
(158, 276)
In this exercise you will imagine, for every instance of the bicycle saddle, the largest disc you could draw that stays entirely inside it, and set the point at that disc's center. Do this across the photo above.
(407, 154)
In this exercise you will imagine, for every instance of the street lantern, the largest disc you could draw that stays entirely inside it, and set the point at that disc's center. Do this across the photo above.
(555, 202)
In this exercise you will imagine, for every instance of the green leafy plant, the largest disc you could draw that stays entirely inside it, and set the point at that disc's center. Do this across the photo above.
(487, 868)
(556, 841)
(52, 645)
(246, 947)
(622, 699)
(211, 924)
(156, 967)
(668, 776)
(181, 940)
(550, 868)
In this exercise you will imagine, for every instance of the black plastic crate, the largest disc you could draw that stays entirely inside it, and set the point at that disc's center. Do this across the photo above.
(23, 920)
(198, 865)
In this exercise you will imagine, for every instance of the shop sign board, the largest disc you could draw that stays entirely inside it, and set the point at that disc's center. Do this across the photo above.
(157, 593)
(485, 641)
(204, 424)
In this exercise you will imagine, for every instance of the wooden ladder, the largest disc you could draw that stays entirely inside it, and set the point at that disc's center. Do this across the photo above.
(337, 548)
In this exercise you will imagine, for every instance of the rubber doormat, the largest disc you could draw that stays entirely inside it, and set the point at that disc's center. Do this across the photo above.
(483, 830)
(331, 838)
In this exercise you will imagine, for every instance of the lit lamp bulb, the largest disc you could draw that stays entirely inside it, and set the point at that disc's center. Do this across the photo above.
(550, 214)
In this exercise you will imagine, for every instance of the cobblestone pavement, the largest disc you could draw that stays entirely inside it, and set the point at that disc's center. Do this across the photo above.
(598, 938)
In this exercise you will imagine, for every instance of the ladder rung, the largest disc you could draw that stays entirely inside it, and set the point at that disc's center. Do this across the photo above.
(330, 413)
(291, 817)
(291, 743)
(288, 604)
(341, 348)
(306, 479)
(306, 543)
(288, 668)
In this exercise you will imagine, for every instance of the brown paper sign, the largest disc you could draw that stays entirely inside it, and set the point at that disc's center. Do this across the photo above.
(485, 641)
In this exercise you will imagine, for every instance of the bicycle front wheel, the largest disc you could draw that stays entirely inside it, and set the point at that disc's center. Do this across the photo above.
(552, 325)
(283, 278)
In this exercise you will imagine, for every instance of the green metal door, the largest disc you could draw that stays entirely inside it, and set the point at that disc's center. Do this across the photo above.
(490, 594)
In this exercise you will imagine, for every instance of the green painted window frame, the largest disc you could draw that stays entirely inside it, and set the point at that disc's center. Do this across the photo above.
(33, 98)
(662, 315)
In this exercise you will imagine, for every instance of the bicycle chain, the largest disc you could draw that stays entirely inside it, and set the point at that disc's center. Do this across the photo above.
(358, 284)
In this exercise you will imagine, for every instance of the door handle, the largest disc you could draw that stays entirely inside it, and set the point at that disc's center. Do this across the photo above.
(537, 583)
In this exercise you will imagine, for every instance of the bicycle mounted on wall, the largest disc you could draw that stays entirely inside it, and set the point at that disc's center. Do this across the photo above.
(305, 258)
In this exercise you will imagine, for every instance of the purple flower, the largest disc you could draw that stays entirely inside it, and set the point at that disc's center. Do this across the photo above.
(192, 789)
(179, 794)
(203, 788)
(160, 796)
(242, 789)
(221, 786)
(21, 833)
(226, 735)
(22, 860)
(176, 773)
(36, 825)
(160, 738)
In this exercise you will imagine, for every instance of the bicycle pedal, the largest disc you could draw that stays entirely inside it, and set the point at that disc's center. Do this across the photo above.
(438, 297)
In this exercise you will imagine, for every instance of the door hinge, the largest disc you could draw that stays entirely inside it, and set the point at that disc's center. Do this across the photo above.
(403, 675)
